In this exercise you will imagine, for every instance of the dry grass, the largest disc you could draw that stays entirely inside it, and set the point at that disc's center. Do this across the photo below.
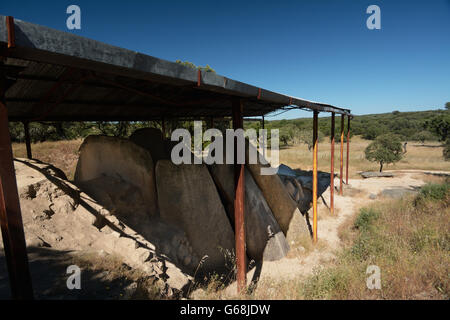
(407, 239)
(61, 154)
(425, 157)
(147, 287)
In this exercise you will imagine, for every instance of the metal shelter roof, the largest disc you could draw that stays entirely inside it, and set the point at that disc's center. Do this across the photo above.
(58, 76)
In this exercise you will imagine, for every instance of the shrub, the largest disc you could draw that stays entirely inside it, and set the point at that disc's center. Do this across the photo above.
(365, 218)
(433, 191)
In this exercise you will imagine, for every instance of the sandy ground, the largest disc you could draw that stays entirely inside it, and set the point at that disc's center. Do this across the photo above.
(356, 195)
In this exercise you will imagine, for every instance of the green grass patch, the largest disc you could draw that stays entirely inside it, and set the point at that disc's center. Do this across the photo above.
(434, 192)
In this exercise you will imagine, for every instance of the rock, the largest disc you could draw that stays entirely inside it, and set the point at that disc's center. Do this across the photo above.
(129, 291)
(371, 174)
(143, 254)
(188, 199)
(85, 215)
(125, 244)
(118, 158)
(264, 238)
(36, 242)
(372, 196)
(63, 205)
(176, 278)
(397, 193)
(298, 183)
(278, 199)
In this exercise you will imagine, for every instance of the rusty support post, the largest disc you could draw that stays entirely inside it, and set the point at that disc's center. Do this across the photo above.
(26, 128)
(348, 150)
(332, 164)
(239, 215)
(10, 214)
(11, 32)
(341, 164)
(263, 140)
(315, 144)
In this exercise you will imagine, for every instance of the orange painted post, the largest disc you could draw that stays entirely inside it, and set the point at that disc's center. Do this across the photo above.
(332, 165)
(315, 135)
(239, 198)
(341, 168)
(348, 151)
(263, 146)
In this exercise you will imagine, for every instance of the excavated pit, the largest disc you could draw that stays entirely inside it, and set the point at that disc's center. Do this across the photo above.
(174, 222)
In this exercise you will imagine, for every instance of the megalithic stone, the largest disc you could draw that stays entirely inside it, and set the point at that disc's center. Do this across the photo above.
(119, 158)
(188, 199)
(284, 208)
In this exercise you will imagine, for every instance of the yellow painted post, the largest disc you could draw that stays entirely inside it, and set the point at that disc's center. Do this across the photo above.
(315, 135)
(341, 169)
(332, 165)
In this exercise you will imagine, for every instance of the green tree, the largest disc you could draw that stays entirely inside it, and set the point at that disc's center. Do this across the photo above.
(372, 132)
(306, 136)
(446, 151)
(440, 126)
(386, 148)
(423, 136)
(447, 105)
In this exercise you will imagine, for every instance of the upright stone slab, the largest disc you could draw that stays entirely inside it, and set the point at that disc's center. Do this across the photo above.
(280, 202)
(264, 238)
(188, 199)
(118, 158)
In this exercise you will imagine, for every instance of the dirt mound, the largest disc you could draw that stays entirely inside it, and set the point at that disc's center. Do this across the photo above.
(59, 216)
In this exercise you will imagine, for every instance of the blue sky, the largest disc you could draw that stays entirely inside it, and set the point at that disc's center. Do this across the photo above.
(317, 50)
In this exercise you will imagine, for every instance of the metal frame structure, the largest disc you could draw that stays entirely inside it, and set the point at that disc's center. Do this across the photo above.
(41, 69)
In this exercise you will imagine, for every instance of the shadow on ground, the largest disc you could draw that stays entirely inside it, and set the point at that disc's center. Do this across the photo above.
(48, 268)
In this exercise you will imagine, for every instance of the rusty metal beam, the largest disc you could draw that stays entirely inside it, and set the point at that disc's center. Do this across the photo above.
(152, 96)
(332, 164)
(315, 146)
(26, 128)
(348, 151)
(341, 164)
(239, 215)
(10, 213)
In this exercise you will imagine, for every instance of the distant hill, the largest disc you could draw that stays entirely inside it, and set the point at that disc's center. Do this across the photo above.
(408, 125)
